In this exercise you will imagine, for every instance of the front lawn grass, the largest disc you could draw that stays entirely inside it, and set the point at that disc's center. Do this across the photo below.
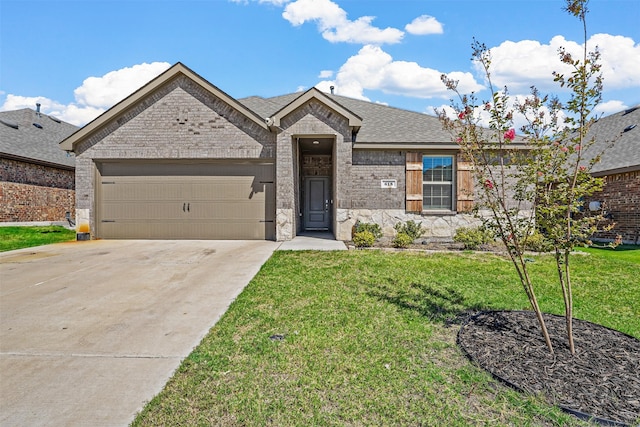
(25, 237)
(365, 338)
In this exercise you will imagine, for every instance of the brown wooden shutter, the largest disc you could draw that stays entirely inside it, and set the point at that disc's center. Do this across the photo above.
(464, 180)
(414, 182)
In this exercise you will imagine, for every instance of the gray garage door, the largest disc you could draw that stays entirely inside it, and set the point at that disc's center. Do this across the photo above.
(185, 200)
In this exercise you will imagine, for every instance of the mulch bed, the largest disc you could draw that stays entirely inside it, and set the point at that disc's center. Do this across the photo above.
(601, 381)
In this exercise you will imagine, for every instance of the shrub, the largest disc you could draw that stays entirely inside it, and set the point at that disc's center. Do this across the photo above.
(402, 240)
(372, 228)
(536, 242)
(363, 239)
(473, 237)
(410, 228)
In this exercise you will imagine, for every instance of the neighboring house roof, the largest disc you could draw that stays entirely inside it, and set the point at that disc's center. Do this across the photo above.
(621, 129)
(33, 137)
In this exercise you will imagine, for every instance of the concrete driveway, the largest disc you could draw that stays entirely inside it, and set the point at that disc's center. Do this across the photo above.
(91, 331)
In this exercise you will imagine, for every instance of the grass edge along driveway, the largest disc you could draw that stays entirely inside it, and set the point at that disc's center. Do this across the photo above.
(362, 338)
(18, 237)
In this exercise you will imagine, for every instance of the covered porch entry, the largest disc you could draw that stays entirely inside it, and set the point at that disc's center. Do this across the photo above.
(315, 188)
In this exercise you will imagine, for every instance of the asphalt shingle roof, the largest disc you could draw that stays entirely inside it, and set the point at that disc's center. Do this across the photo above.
(380, 123)
(624, 154)
(31, 142)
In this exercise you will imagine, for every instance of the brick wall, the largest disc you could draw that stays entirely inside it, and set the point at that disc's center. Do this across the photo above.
(621, 197)
(29, 173)
(316, 165)
(179, 121)
(368, 169)
(26, 203)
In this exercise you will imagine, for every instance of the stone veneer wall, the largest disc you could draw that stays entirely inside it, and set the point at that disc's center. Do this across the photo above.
(621, 197)
(439, 228)
(179, 121)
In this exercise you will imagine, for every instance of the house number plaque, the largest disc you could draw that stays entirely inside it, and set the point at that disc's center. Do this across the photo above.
(388, 183)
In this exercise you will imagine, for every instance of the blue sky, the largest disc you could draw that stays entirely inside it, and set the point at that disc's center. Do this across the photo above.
(79, 57)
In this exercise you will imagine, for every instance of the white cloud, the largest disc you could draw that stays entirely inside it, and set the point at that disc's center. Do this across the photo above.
(610, 107)
(72, 113)
(335, 27)
(274, 2)
(522, 64)
(95, 96)
(114, 86)
(423, 25)
(374, 69)
(325, 74)
(325, 86)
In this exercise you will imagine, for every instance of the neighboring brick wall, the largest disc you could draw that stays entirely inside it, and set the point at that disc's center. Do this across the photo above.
(29, 173)
(27, 203)
(621, 197)
(369, 167)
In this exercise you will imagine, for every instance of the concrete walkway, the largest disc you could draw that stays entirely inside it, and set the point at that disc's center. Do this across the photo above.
(91, 331)
(313, 240)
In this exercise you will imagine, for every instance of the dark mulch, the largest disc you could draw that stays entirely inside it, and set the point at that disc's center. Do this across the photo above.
(602, 380)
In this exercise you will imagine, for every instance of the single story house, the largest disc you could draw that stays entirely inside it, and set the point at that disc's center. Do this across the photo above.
(36, 178)
(181, 159)
(619, 136)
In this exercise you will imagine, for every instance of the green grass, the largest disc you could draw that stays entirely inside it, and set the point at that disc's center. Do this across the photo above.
(366, 342)
(25, 237)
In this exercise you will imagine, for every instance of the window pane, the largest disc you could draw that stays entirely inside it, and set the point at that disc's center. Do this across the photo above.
(436, 196)
(437, 169)
(437, 178)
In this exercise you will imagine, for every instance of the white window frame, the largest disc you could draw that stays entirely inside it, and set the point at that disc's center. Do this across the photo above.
(451, 184)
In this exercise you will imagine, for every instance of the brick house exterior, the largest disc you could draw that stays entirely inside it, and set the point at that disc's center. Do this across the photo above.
(180, 158)
(36, 178)
(620, 168)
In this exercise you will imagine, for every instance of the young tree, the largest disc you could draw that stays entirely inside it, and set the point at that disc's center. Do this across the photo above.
(537, 183)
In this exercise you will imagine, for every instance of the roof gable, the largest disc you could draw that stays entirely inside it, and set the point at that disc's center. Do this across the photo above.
(176, 71)
(353, 119)
(382, 126)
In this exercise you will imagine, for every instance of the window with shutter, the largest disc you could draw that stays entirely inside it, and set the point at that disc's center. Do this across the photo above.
(431, 184)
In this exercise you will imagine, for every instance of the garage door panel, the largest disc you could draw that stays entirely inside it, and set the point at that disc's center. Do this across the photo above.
(191, 201)
(126, 189)
(132, 210)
